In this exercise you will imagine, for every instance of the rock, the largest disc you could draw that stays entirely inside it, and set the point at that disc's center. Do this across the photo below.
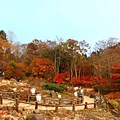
(37, 117)
(53, 94)
(36, 111)
(9, 108)
(15, 114)
(13, 80)
(56, 118)
(63, 110)
(71, 117)
(92, 116)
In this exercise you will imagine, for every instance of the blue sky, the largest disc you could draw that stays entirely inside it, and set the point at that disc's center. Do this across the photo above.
(89, 20)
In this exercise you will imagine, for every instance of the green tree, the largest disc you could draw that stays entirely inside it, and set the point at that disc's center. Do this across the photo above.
(3, 35)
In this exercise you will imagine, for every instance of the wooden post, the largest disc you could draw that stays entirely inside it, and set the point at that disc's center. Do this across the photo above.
(17, 104)
(73, 107)
(81, 100)
(44, 101)
(73, 102)
(56, 108)
(14, 95)
(29, 89)
(36, 105)
(60, 101)
(85, 105)
(28, 97)
(18, 95)
(50, 94)
(78, 101)
(95, 104)
(1, 101)
(106, 106)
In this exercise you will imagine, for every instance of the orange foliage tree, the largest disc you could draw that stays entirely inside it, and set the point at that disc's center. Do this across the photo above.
(19, 72)
(14, 70)
(41, 67)
(115, 72)
(9, 72)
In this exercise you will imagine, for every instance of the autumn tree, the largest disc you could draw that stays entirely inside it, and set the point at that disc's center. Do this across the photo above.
(11, 36)
(6, 47)
(15, 70)
(23, 53)
(115, 72)
(41, 67)
(3, 65)
(106, 58)
(30, 53)
(104, 44)
(34, 49)
(75, 52)
(71, 47)
(56, 53)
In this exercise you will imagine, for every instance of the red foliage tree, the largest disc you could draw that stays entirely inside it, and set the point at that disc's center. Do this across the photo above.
(17, 74)
(115, 72)
(75, 80)
(59, 78)
(85, 80)
(88, 80)
(99, 80)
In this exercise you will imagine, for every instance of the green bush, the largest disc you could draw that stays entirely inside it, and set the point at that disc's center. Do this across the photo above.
(55, 87)
(13, 64)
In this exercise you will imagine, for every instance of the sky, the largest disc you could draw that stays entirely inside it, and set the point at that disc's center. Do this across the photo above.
(89, 20)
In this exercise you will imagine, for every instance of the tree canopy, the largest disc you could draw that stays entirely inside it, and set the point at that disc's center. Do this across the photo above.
(62, 61)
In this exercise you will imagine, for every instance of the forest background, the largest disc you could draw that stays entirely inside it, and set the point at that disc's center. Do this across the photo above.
(64, 62)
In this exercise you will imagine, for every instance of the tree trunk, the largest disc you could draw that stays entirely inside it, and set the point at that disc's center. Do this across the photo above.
(75, 71)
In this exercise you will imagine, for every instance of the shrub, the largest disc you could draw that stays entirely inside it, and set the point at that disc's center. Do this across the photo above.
(113, 95)
(105, 89)
(55, 87)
